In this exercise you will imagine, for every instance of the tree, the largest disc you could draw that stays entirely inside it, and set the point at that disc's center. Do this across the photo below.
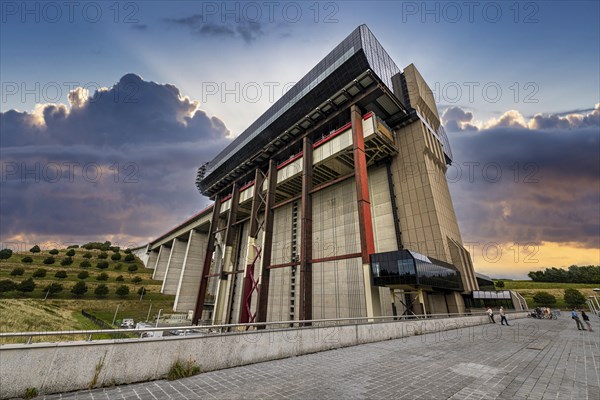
(102, 277)
(66, 261)
(119, 278)
(39, 273)
(53, 288)
(49, 260)
(35, 249)
(499, 284)
(574, 298)
(136, 279)
(7, 285)
(129, 258)
(102, 265)
(132, 268)
(85, 264)
(17, 271)
(79, 289)
(101, 290)
(83, 275)
(544, 299)
(115, 256)
(128, 251)
(74, 246)
(28, 285)
(60, 274)
(122, 291)
(141, 290)
(102, 256)
(70, 253)
(27, 260)
(5, 254)
(53, 252)
(87, 255)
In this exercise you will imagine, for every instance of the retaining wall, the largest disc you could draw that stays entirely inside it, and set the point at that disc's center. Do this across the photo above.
(69, 366)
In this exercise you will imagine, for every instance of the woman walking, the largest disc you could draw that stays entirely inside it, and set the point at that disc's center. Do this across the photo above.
(586, 319)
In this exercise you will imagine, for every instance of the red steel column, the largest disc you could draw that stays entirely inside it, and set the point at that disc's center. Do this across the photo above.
(263, 292)
(306, 232)
(210, 248)
(365, 222)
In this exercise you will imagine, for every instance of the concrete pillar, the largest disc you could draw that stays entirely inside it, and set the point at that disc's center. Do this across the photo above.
(174, 267)
(191, 272)
(161, 263)
(152, 258)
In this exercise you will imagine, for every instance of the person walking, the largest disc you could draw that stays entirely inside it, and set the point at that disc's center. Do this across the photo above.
(490, 314)
(586, 319)
(503, 316)
(577, 320)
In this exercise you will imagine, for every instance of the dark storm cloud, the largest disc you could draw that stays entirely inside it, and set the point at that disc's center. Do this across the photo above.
(105, 167)
(457, 119)
(512, 184)
(202, 26)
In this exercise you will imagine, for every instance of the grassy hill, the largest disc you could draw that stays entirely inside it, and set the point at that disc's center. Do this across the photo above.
(28, 311)
(528, 289)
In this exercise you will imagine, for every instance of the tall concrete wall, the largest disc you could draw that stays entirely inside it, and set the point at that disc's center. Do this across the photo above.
(189, 278)
(174, 267)
(152, 257)
(63, 367)
(164, 253)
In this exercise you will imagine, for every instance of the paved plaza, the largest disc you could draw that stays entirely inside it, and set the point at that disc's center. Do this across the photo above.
(532, 359)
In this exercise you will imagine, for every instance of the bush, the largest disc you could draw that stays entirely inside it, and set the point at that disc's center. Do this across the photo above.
(574, 298)
(500, 284)
(122, 291)
(28, 285)
(70, 253)
(102, 256)
(17, 271)
(102, 265)
(114, 249)
(101, 290)
(141, 290)
(27, 260)
(102, 277)
(85, 264)
(119, 278)
(39, 273)
(127, 251)
(129, 258)
(66, 261)
(83, 275)
(7, 285)
(87, 255)
(60, 274)
(115, 256)
(182, 369)
(53, 288)
(5, 254)
(544, 299)
(79, 289)
(75, 246)
(132, 268)
(49, 260)
(136, 279)
(53, 252)
(118, 266)
(35, 249)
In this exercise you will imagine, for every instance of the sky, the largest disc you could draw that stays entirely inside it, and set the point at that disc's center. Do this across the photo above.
(108, 108)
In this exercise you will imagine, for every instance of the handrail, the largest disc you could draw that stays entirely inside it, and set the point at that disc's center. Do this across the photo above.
(303, 324)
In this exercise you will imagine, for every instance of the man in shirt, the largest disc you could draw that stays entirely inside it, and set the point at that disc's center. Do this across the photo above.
(503, 317)
(491, 315)
(577, 321)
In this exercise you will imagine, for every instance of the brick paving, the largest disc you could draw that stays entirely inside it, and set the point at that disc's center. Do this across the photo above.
(532, 359)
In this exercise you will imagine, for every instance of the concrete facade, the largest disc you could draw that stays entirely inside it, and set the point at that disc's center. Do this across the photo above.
(174, 267)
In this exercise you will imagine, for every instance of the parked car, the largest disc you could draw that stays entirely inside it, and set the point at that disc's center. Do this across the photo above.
(127, 323)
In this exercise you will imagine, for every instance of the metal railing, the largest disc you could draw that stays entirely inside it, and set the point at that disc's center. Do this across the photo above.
(211, 330)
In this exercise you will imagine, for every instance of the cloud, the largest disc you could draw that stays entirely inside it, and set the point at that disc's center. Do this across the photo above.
(456, 119)
(117, 164)
(517, 181)
(209, 26)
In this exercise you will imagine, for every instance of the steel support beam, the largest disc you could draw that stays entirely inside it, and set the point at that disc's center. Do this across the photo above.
(210, 248)
(365, 222)
(306, 232)
(263, 292)
(223, 292)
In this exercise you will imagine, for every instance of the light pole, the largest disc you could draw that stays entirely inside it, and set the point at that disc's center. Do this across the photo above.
(115, 317)
(158, 318)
